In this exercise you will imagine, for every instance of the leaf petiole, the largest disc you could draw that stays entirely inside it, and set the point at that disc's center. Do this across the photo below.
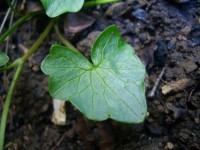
(18, 23)
(98, 2)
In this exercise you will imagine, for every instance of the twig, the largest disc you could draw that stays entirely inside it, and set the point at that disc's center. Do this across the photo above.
(190, 94)
(59, 141)
(4, 19)
(153, 91)
(11, 5)
(23, 48)
(7, 42)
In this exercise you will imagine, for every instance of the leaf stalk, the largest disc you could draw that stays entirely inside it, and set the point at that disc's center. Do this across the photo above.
(18, 23)
(7, 105)
(64, 40)
(94, 3)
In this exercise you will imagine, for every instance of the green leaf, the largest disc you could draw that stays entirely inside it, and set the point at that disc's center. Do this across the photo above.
(112, 86)
(3, 58)
(55, 8)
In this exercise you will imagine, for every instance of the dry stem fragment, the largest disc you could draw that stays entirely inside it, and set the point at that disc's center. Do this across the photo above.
(176, 86)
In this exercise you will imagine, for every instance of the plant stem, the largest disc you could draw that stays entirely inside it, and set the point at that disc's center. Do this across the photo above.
(7, 105)
(18, 23)
(11, 5)
(19, 62)
(8, 39)
(64, 40)
(13, 65)
(31, 50)
(94, 3)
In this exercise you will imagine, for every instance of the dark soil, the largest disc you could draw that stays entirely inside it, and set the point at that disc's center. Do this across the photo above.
(164, 34)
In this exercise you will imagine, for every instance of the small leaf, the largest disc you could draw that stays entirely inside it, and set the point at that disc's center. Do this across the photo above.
(3, 58)
(112, 86)
(55, 8)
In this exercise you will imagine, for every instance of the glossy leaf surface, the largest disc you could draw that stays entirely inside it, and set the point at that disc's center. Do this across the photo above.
(55, 8)
(112, 86)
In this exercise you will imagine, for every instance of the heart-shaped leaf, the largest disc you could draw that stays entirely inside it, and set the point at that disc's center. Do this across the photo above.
(112, 86)
(3, 58)
(55, 8)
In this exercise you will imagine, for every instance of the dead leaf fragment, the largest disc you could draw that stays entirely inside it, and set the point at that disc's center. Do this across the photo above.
(59, 113)
(76, 22)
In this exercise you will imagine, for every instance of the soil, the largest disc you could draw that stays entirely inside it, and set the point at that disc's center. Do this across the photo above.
(163, 33)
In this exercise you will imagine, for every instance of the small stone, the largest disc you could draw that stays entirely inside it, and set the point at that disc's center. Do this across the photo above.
(29, 127)
(197, 120)
(148, 114)
(25, 138)
(116, 9)
(156, 102)
(160, 108)
(184, 136)
(189, 66)
(198, 71)
(140, 14)
(171, 45)
(145, 37)
(186, 30)
(44, 108)
(169, 146)
(36, 68)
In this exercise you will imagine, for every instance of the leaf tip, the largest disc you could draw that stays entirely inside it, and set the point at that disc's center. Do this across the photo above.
(3, 58)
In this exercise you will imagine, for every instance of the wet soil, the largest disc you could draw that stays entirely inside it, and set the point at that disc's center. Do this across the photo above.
(164, 34)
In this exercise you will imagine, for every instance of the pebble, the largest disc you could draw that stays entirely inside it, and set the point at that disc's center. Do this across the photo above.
(140, 14)
(25, 138)
(171, 45)
(186, 30)
(36, 68)
(189, 66)
(183, 136)
(116, 9)
(169, 146)
(156, 102)
(160, 108)
(145, 37)
(197, 121)
(44, 108)
(198, 71)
